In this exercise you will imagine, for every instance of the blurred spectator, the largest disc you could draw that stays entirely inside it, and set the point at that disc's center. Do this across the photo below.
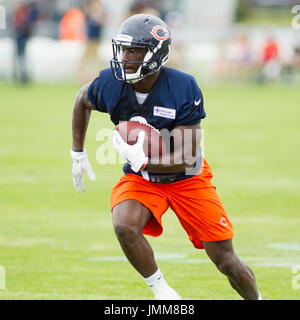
(165, 6)
(271, 66)
(270, 50)
(239, 57)
(142, 6)
(291, 72)
(95, 16)
(296, 57)
(23, 20)
(175, 21)
(72, 25)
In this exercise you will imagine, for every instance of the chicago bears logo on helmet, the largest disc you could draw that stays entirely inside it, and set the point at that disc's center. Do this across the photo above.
(160, 33)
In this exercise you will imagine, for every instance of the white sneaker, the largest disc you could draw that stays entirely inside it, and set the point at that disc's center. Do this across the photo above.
(168, 295)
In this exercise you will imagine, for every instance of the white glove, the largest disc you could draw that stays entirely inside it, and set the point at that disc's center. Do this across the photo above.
(80, 163)
(133, 154)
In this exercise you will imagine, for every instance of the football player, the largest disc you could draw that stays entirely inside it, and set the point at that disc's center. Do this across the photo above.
(139, 85)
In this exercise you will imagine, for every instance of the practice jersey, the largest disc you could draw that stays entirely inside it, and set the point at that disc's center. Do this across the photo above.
(175, 100)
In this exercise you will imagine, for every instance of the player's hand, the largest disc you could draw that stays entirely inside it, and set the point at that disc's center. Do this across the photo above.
(133, 154)
(81, 164)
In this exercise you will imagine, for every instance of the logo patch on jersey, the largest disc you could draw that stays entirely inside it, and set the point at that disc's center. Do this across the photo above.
(160, 33)
(164, 112)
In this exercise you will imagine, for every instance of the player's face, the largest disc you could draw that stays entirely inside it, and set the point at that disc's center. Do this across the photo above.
(131, 54)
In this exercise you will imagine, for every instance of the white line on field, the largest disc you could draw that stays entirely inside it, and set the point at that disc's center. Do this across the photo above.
(259, 261)
(285, 246)
(158, 256)
(263, 262)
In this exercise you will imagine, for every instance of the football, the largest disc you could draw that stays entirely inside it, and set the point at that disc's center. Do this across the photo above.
(153, 144)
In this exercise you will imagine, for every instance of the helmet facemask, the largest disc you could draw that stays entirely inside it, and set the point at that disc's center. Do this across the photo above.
(146, 67)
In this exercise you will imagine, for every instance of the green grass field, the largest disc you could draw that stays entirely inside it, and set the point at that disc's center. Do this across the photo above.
(57, 244)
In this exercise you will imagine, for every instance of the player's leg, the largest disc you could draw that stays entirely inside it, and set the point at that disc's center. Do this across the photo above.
(238, 273)
(129, 219)
(201, 213)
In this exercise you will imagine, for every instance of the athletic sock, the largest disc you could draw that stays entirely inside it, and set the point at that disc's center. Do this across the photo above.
(157, 282)
(259, 296)
(159, 285)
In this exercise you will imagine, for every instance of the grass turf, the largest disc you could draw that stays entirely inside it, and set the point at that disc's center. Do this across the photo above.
(56, 244)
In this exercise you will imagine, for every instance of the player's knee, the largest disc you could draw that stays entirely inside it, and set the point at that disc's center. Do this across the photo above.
(228, 265)
(128, 221)
(125, 232)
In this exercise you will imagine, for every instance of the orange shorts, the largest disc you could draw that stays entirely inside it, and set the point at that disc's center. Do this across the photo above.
(194, 201)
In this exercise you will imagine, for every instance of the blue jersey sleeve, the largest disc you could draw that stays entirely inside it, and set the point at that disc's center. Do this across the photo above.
(96, 97)
(192, 111)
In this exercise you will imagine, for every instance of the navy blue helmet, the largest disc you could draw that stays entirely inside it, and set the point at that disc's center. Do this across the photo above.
(141, 31)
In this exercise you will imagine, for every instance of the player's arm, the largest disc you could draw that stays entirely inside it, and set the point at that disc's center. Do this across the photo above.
(81, 115)
(186, 145)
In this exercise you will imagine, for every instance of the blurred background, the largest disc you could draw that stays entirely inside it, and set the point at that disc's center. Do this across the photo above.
(237, 40)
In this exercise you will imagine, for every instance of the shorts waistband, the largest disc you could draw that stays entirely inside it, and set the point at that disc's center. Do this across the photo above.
(165, 178)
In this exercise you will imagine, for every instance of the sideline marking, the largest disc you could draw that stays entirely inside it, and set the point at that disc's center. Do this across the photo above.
(260, 262)
(285, 246)
(158, 256)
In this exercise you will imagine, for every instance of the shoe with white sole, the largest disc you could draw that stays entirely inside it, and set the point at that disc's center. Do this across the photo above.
(168, 295)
